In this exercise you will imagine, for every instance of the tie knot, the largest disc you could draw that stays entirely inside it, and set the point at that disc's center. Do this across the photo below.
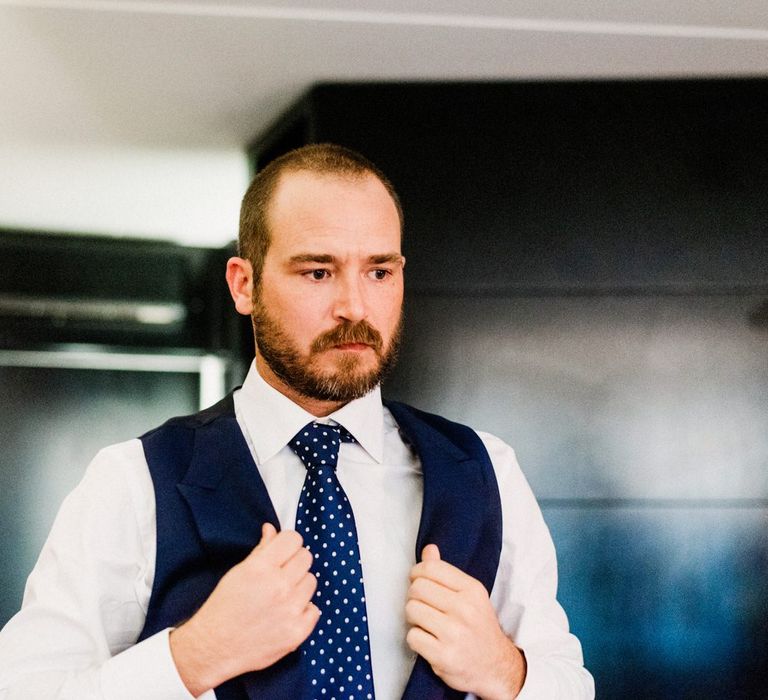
(317, 444)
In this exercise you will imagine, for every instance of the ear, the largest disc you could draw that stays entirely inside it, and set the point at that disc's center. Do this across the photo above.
(240, 281)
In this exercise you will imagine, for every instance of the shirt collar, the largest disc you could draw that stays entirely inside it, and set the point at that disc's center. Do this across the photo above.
(272, 419)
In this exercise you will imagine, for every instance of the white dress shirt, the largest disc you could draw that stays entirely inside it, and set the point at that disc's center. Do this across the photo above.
(86, 600)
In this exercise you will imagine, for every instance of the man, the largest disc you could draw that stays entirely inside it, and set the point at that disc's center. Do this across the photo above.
(412, 562)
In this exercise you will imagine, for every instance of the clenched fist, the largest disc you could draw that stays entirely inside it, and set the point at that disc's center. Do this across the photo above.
(260, 611)
(453, 625)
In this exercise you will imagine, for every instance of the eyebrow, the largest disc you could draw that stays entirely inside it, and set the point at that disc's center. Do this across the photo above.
(385, 258)
(327, 259)
(310, 257)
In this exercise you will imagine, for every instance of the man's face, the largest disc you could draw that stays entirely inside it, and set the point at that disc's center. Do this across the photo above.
(327, 312)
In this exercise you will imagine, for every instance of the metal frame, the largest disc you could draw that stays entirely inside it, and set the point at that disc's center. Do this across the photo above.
(212, 369)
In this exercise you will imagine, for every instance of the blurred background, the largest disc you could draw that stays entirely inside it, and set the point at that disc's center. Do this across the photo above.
(587, 242)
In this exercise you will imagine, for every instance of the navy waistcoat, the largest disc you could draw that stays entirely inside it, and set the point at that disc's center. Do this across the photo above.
(211, 503)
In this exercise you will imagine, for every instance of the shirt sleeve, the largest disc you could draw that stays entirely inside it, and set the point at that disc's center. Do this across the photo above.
(85, 601)
(525, 590)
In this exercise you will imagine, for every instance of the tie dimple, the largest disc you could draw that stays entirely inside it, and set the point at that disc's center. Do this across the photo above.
(338, 650)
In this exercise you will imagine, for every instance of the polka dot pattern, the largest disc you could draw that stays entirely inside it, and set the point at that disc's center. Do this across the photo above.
(337, 652)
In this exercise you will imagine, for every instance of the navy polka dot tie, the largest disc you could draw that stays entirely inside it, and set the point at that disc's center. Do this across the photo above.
(338, 651)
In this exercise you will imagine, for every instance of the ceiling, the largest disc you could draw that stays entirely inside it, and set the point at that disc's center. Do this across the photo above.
(197, 75)
(130, 117)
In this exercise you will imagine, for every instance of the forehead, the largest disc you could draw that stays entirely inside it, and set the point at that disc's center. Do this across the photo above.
(312, 209)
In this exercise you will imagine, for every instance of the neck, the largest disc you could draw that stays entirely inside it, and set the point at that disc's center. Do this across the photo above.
(316, 407)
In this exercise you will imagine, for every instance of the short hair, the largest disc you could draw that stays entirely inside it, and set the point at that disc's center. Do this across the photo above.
(322, 159)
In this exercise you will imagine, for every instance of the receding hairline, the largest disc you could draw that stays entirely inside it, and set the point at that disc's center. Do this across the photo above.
(350, 176)
(323, 161)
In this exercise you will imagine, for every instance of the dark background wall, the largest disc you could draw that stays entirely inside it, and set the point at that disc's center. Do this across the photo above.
(588, 278)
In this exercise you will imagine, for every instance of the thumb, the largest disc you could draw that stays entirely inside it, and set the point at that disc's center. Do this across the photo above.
(430, 553)
(268, 533)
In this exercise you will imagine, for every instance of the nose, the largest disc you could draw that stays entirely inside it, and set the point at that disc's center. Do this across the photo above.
(350, 304)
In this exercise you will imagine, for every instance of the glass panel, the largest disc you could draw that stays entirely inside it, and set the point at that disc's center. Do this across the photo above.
(53, 421)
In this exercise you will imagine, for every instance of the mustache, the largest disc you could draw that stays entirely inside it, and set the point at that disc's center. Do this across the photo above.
(346, 333)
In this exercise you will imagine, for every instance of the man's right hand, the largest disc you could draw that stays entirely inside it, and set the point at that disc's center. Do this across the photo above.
(260, 611)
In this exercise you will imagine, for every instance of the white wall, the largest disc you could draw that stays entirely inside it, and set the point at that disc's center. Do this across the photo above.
(189, 196)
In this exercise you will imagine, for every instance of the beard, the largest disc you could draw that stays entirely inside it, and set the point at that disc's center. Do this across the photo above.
(349, 380)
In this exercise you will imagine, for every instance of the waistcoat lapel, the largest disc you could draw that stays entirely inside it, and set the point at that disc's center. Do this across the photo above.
(229, 503)
(456, 497)
(458, 491)
(225, 492)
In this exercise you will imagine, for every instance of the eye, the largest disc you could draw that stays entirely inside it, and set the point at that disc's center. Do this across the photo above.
(317, 275)
(380, 274)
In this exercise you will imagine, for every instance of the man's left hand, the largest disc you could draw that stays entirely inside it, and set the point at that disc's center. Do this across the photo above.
(453, 625)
